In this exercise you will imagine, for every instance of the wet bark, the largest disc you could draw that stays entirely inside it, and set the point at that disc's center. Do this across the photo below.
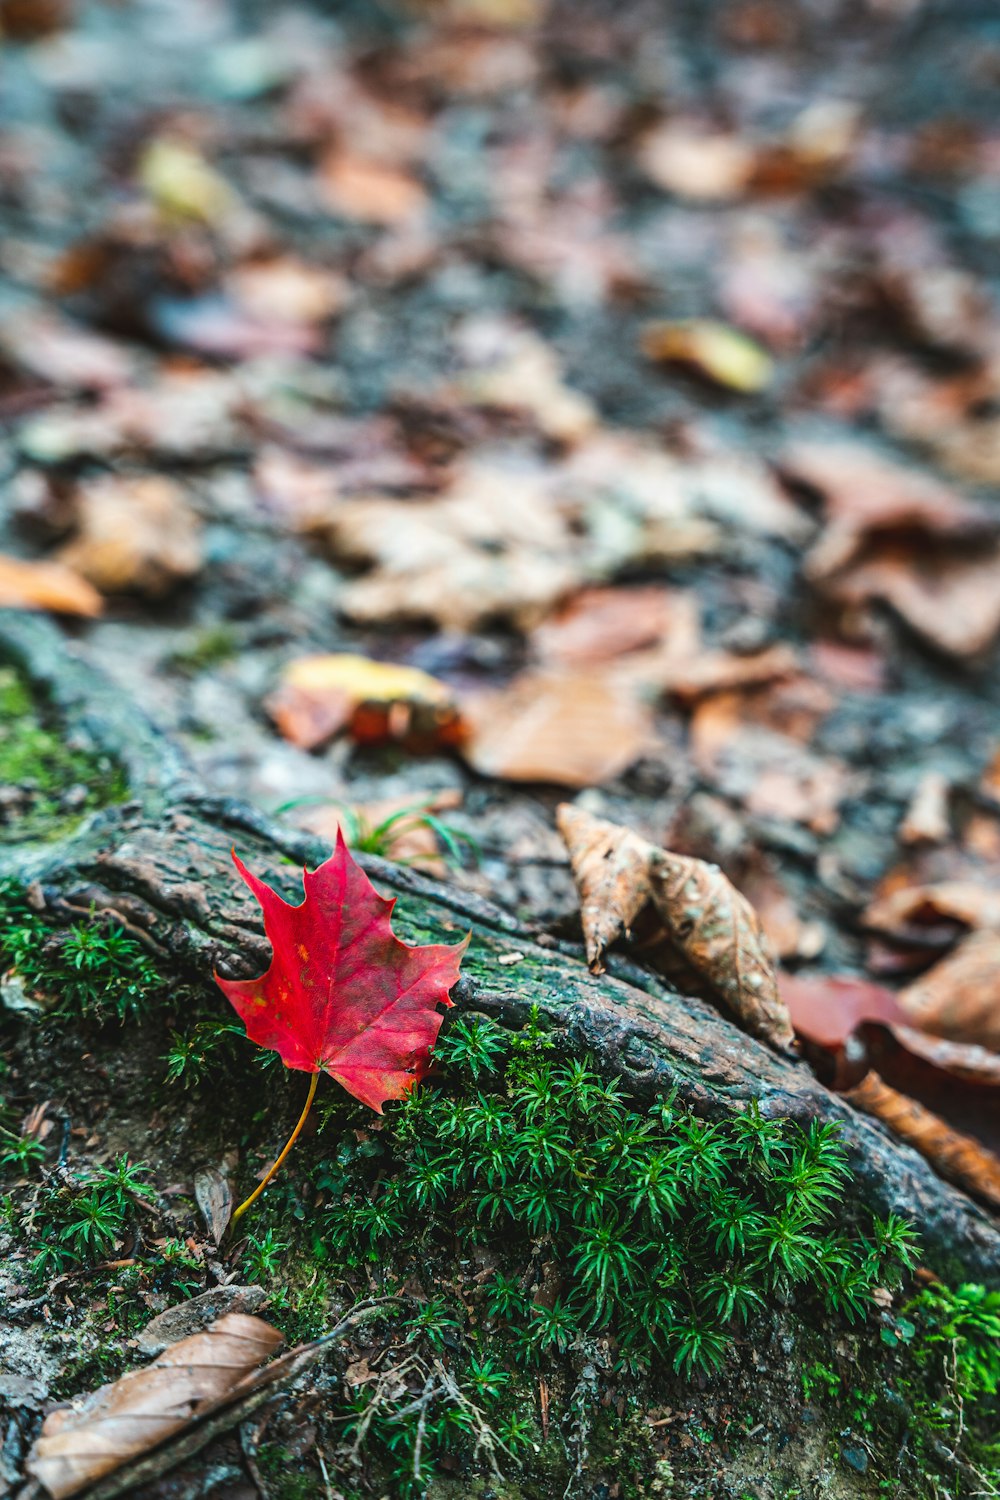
(161, 864)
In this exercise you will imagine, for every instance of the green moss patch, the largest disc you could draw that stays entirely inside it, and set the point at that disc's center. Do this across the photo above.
(47, 784)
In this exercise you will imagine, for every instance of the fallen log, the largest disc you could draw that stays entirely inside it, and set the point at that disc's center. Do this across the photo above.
(160, 863)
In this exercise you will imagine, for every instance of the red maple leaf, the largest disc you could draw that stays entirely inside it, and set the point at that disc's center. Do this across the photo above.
(343, 995)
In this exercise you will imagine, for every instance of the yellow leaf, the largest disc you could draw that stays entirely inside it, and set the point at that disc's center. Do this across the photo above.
(714, 349)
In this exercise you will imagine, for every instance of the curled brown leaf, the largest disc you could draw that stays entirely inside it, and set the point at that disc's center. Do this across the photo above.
(115, 1423)
(958, 1157)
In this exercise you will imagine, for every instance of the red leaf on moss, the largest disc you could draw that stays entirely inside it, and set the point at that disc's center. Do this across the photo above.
(343, 995)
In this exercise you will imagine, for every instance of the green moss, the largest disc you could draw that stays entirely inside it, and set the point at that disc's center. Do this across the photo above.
(204, 649)
(93, 968)
(48, 784)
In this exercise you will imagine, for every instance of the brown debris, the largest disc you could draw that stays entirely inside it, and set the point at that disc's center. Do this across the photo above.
(115, 1423)
(958, 1157)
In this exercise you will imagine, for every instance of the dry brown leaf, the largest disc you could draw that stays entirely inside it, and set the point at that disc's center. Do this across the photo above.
(135, 535)
(865, 494)
(376, 701)
(492, 548)
(720, 353)
(707, 672)
(46, 585)
(514, 370)
(610, 866)
(64, 353)
(573, 729)
(953, 602)
(959, 998)
(896, 535)
(710, 925)
(373, 191)
(115, 1423)
(958, 1157)
(213, 1194)
(909, 913)
(602, 625)
(720, 936)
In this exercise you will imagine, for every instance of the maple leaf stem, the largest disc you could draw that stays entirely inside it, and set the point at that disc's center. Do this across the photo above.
(239, 1212)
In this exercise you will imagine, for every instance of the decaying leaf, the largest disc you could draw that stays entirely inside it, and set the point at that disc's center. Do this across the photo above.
(213, 1194)
(892, 533)
(115, 1423)
(342, 994)
(600, 625)
(136, 535)
(958, 1157)
(575, 729)
(715, 350)
(46, 585)
(710, 925)
(610, 866)
(513, 370)
(720, 936)
(373, 191)
(491, 548)
(913, 912)
(959, 998)
(375, 701)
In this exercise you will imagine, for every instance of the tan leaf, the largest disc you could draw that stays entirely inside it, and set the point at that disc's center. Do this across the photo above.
(958, 1157)
(143, 1408)
(515, 370)
(704, 165)
(926, 820)
(375, 192)
(959, 998)
(574, 729)
(377, 701)
(213, 1194)
(610, 866)
(46, 585)
(136, 535)
(715, 350)
(720, 936)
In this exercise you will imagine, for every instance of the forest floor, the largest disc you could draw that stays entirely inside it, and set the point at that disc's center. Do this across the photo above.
(628, 377)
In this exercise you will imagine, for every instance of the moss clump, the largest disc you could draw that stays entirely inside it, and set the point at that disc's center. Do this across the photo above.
(93, 968)
(667, 1230)
(46, 784)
